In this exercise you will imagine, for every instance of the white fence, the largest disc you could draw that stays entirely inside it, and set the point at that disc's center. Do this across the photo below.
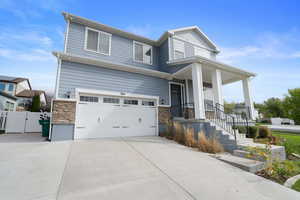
(20, 122)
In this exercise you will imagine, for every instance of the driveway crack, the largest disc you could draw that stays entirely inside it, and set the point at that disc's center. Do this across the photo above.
(63, 173)
(162, 171)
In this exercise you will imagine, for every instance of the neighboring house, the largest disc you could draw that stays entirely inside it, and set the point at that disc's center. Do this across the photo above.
(245, 110)
(20, 90)
(7, 102)
(25, 98)
(114, 83)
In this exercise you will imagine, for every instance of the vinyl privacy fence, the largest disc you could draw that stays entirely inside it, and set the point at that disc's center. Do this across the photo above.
(20, 122)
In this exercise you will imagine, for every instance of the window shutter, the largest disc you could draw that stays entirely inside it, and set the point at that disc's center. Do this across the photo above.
(92, 40)
(138, 49)
(104, 43)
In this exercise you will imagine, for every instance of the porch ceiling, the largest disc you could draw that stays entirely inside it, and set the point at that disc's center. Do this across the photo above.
(227, 77)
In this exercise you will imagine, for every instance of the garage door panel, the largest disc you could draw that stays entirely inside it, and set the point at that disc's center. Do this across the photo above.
(99, 120)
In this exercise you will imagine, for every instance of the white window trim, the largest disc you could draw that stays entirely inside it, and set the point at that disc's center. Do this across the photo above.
(151, 60)
(85, 41)
(177, 50)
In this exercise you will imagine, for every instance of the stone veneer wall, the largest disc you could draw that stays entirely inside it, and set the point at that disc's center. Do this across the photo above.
(164, 114)
(189, 113)
(63, 112)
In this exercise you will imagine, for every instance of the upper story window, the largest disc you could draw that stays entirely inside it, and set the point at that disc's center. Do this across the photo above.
(10, 87)
(2, 86)
(179, 51)
(97, 41)
(142, 52)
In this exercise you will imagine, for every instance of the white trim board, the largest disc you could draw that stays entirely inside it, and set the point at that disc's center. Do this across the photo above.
(112, 65)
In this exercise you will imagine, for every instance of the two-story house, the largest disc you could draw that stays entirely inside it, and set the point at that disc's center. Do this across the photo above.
(16, 93)
(113, 83)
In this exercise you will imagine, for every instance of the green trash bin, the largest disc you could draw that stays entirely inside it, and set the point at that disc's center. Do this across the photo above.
(45, 127)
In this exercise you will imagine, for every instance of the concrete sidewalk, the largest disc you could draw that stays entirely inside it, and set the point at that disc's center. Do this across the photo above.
(126, 168)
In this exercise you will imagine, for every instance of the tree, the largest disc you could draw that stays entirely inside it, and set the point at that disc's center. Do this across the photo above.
(292, 105)
(273, 107)
(36, 104)
(228, 107)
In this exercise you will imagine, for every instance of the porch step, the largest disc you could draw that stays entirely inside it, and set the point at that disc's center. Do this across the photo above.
(247, 154)
(248, 165)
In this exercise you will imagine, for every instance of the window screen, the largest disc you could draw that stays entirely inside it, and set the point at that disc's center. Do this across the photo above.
(104, 43)
(92, 40)
(10, 87)
(2, 86)
(131, 101)
(138, 52)
(89, 99)
(111, 100)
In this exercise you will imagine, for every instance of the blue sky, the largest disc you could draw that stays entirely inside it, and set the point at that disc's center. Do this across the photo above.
(259, 36)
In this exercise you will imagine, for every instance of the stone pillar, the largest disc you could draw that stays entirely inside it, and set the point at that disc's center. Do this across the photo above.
(63, 111)
(164, 114)
(248, 97)
(217, 86)
(198, 91)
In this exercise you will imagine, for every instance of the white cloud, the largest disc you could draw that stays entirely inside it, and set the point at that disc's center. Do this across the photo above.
(267, 45)
(28, 55)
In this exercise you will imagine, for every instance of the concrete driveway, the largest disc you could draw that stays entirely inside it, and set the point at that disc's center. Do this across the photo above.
(125, 168)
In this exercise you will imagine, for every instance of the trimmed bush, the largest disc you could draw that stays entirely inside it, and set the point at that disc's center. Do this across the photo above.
(264, 132)
(253, 131)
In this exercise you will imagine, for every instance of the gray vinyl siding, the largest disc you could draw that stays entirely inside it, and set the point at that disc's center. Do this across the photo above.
(121, 48)
(75, 75)
(164, 55)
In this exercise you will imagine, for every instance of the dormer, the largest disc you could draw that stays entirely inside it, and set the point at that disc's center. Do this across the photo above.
(190, 41)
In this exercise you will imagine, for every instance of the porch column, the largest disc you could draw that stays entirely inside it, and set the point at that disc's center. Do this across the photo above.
(217, 86)
(198, 91)
(248, 97)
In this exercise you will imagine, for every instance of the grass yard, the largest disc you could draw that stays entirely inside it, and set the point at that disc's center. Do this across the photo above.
(296, 186)
(292, 141)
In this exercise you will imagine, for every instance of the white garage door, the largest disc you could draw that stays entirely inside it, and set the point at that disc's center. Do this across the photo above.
(110, 116)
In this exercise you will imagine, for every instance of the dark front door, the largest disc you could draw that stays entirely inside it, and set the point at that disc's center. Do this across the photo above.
(176, 104)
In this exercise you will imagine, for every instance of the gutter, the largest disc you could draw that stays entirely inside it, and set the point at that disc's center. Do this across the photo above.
(219, 65)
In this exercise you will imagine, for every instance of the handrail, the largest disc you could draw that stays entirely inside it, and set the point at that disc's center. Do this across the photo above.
(221, 119)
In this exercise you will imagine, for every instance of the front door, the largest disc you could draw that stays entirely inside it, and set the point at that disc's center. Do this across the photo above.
(176, 103)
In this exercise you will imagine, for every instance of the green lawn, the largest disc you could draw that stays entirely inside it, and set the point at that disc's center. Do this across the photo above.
(296, 186)
(292, 141)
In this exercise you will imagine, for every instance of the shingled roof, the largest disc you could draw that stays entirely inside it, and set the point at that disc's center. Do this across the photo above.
(29, 93)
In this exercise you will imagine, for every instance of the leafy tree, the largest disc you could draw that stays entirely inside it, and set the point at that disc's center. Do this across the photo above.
(292, 105)
(273, 107)
(36, 104)
(228, 107)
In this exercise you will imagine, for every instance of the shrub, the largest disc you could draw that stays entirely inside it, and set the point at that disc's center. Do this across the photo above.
(179, 133)
(252, 131)
(208, 145)
(189, 137)
(241, 129)
(264, 132)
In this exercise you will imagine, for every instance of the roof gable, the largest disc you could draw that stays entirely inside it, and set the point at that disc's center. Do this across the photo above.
(194, 35)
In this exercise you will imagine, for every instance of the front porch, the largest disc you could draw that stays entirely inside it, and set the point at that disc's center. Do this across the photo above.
(198, 92)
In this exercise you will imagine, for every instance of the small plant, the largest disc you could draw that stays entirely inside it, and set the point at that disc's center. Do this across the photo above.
(209, 145)
(296, 186)
(264, 132)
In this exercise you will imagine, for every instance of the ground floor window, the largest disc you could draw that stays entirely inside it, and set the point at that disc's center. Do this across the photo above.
(9, 106)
